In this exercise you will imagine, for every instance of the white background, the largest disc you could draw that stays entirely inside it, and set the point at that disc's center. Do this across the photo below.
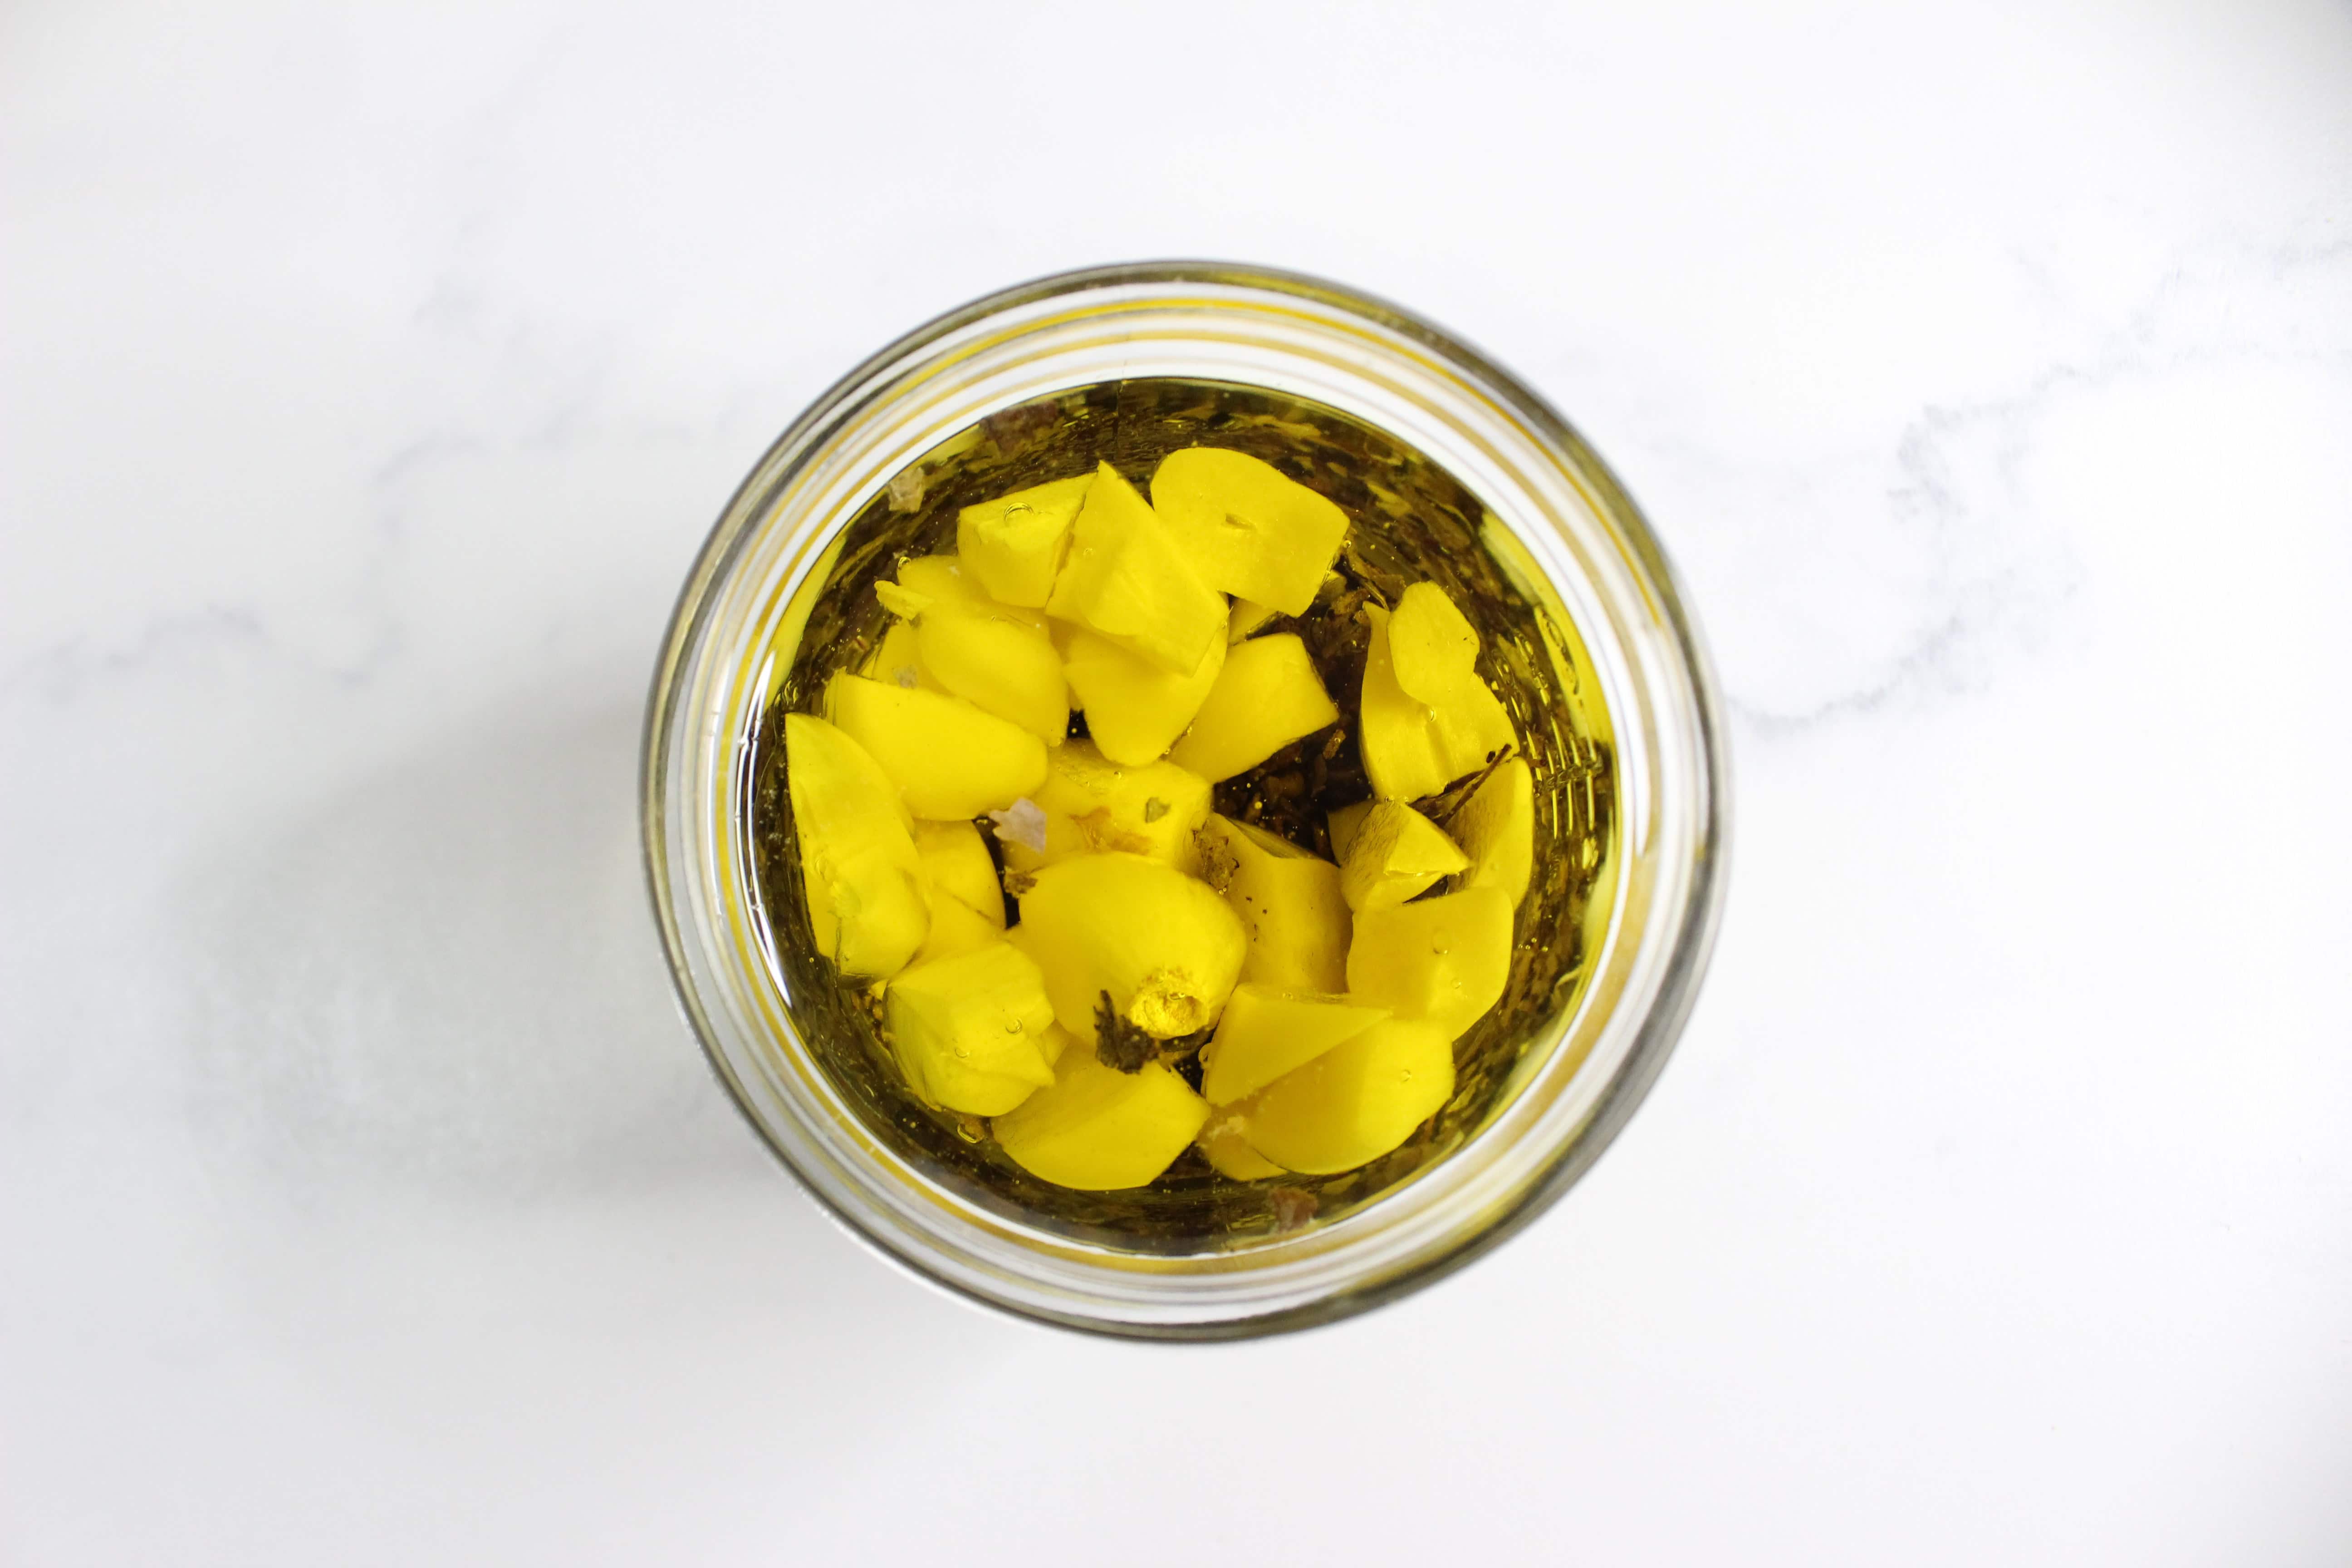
(370, 379)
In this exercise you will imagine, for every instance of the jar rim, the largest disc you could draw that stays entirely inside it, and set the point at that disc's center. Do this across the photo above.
(677, 751)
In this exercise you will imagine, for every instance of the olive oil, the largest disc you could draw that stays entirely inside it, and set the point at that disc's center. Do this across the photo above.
(1407, 522)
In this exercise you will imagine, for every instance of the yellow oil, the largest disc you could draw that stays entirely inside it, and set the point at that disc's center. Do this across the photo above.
(1411, 521)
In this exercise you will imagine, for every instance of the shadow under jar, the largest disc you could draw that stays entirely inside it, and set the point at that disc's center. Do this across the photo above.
(1451, 473)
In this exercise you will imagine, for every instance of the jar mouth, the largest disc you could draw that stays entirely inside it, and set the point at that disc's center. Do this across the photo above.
(1553, 516)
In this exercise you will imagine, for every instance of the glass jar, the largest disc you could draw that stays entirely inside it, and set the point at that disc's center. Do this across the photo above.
(1548, 514)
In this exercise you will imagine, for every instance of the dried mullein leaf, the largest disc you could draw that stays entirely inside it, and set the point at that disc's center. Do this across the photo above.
(1128, 1047)
(1117, 1043)
(1442, 807)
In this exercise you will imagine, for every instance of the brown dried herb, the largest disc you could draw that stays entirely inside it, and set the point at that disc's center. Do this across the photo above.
(1117, 1043)
(1442, 807)
(1126, 1047)
(1292, 792)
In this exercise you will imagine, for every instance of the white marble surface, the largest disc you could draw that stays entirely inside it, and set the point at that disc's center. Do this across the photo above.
(370, 378)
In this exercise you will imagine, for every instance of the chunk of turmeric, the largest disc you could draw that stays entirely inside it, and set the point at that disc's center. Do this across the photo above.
(1097, 1129)
(1435, 651)
(1344, 823)
(1135, 709)
(1247, 619)
(946, 758)
(1250, 530)
(1432, 646)
(1014, 544)
(1269, 1031)
(925, 580)
(1126, 581)
(1089, 804)
(1001, 661)
(1289, 903)
(956, 862)
(1395, 854)
(960, 887)
(956, 928)
(1413, 749)
(1356, 1101)
(1498, 825)
(1444, 959)
(1402, 755)
(896, 661)
(969, 1029)
(859, 868)
(1268, 695)
(997, 658)
(1162, 945)
(1224, 1144)
(1471, 729)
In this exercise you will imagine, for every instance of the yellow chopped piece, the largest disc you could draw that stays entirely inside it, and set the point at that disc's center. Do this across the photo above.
(1225, 1145)
(1471, 729)
(956, 928)
(1269, 1031)
(1090, 805)
(1267, 696)
(1126, 581)
(997, 658)
(1135, 709)
(895, 660)
(1014, 544)
(901, 600)
(1289, 902)
(1000, 662)
(1398, 735)
(859, 869)
(955, 859)
(1396, 854)
(927, 578)
(1097, 1129)
(969, 1030)
(1344, 823)
(1432, 648)
(948, 759)
(1250, 532)
(1357, 1100)
(1498, 825)
(1444, 959)
(1248, 618)
(1164, 946)
(1412, 749)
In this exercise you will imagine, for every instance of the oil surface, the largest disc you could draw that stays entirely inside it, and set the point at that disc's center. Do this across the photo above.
(1411, 521)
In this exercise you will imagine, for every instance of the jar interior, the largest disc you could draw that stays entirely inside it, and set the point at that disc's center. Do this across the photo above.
(1414, 521)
